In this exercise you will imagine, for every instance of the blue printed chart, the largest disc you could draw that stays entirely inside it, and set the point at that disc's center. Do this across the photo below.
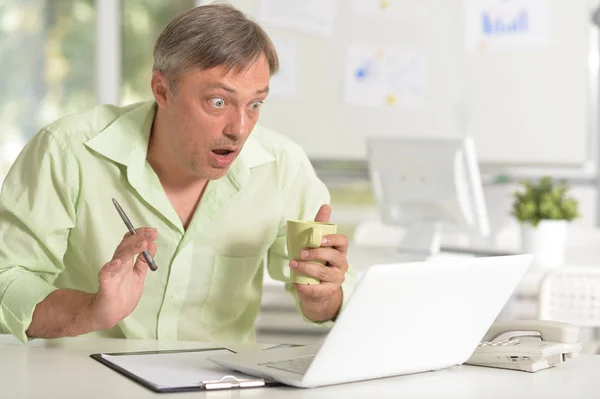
(493, 25)
(383, 77)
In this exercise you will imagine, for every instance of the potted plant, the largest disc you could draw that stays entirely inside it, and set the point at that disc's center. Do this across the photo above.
(544, 210)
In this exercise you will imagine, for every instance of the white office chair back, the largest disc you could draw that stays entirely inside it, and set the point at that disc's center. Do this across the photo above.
(571, 294)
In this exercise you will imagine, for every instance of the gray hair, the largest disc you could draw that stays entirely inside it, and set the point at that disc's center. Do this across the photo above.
(208, 36)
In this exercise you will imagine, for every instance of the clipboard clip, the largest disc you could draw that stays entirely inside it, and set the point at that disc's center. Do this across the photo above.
(230, 381)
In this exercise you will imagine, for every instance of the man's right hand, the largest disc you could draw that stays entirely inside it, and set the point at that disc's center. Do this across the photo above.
(121, 281)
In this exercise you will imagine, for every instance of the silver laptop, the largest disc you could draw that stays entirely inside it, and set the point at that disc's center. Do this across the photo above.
(402, 318)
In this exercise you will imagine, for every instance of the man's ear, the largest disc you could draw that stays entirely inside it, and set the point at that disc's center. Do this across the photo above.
(160, 89)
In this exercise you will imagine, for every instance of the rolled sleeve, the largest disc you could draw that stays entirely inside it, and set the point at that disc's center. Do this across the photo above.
(20, 298)
(36, 214)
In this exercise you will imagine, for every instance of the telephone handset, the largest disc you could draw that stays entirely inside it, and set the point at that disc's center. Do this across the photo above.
(527, 345)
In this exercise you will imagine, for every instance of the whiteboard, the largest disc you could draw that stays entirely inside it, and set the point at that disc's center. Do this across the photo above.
(522, 105)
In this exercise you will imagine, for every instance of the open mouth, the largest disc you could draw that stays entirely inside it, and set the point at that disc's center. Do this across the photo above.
(222, 153)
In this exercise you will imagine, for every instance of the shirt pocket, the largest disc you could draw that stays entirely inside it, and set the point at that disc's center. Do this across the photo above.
(237, 278)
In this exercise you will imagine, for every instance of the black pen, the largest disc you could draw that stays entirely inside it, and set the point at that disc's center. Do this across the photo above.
(147, 256)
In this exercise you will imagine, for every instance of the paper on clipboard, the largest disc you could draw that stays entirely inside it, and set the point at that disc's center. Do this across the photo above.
(178, 369)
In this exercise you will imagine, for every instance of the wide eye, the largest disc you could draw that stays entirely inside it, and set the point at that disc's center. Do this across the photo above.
(256, 105)
(217, 102)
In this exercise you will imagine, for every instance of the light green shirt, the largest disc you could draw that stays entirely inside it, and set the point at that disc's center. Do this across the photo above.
(58, 226)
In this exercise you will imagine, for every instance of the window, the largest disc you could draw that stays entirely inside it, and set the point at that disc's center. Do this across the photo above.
(143, 20)
(47, 53)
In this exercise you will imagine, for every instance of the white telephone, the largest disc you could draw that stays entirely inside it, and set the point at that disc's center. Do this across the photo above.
(527, 345)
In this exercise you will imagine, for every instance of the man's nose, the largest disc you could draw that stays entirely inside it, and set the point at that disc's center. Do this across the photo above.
(237, 125)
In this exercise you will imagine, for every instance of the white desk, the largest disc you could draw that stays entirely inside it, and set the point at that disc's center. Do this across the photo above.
(63, 369)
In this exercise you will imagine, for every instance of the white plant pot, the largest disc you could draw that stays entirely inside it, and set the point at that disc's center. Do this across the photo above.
(547, 242)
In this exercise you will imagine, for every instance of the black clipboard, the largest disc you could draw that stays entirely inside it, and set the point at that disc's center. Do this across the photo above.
(226, 382)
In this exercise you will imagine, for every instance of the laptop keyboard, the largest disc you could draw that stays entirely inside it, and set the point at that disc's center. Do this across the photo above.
(298, 365)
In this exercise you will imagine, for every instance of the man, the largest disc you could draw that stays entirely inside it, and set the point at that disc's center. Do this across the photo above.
(213, 190)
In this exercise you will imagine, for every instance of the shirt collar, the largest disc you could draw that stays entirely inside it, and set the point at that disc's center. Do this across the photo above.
(126, 138)
(253, 153)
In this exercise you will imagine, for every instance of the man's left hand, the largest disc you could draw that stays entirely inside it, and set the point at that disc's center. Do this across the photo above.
(322, 302)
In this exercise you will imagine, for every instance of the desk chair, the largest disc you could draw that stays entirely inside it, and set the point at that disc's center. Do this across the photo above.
(572, 294)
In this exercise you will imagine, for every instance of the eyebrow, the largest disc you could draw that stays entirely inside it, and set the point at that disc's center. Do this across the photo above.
(232, 90)
(265, 90)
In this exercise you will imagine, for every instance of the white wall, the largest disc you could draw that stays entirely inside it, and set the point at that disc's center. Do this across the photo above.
(508, 100)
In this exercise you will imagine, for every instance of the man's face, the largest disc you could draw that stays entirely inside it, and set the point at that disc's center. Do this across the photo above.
(212, 115)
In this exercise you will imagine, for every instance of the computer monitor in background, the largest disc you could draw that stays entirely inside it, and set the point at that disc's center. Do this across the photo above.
(425, 184)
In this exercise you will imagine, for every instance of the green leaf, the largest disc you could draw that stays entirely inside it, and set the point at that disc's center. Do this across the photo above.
(545, 199)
